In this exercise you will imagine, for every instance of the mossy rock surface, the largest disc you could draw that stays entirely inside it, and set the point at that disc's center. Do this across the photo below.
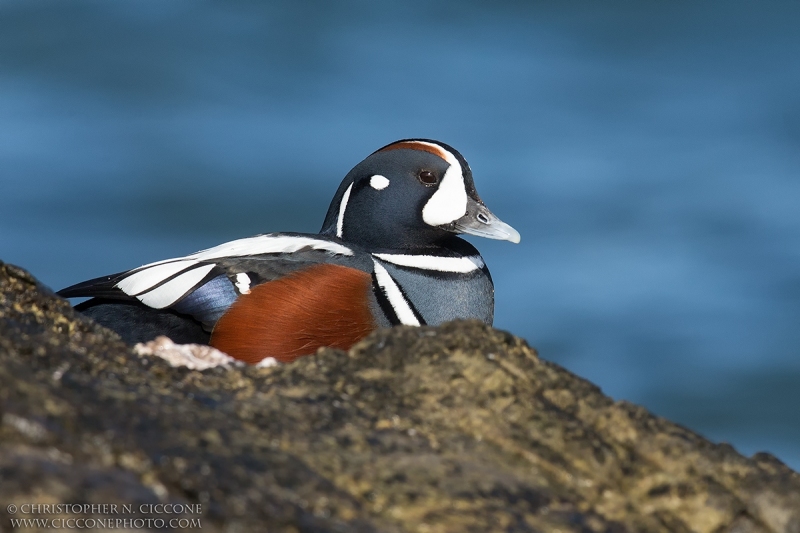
(460, 428)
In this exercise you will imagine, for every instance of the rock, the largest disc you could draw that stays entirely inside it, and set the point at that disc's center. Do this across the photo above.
(191, 356)
(458, 428)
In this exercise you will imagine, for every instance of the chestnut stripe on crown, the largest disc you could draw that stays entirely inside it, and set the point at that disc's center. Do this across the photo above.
(419, 145)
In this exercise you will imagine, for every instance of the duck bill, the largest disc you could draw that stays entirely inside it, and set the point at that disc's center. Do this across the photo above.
(481, 222)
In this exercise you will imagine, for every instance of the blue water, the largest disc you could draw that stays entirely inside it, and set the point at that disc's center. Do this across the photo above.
(648, 153)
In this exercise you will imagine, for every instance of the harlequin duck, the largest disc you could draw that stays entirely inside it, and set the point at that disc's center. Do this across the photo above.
(387, 254)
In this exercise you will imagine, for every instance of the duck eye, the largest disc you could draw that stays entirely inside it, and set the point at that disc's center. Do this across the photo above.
(428, 178)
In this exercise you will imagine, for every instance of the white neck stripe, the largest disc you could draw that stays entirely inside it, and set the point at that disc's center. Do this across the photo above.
(342, 207)
(432, 262)
(395, 297)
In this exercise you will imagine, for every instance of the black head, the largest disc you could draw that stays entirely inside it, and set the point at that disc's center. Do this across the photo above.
(411, 194)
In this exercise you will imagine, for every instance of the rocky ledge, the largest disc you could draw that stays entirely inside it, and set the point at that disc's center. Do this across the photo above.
(457, 428)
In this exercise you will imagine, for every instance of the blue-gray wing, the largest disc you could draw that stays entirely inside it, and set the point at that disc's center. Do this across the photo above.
(203, 285)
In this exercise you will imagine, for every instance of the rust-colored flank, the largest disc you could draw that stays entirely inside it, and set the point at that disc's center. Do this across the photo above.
(323, 305)
(416, 145)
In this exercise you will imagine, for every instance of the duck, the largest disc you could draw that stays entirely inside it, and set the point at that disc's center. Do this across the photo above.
(389, 253)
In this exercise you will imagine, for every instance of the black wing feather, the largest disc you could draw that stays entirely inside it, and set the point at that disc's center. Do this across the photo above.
(102, 287)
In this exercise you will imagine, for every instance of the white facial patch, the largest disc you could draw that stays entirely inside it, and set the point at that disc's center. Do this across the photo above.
(378, 182)
(342, 207)
(449, 202)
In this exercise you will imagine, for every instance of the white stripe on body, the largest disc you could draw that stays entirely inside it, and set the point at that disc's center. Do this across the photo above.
(432, 262)
(243, 283)
(398, 302)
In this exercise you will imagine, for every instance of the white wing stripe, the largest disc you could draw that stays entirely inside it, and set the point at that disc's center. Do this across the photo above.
(431, 262)
(395, 297)
(269, 244)
(148, 278)
(260, 244)
(169, 293)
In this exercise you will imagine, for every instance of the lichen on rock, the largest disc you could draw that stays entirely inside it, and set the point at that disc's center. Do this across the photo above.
(191, 356)
(456, 428)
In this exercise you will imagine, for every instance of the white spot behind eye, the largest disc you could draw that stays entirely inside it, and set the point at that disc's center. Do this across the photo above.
(378, 182)
(168, 293)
